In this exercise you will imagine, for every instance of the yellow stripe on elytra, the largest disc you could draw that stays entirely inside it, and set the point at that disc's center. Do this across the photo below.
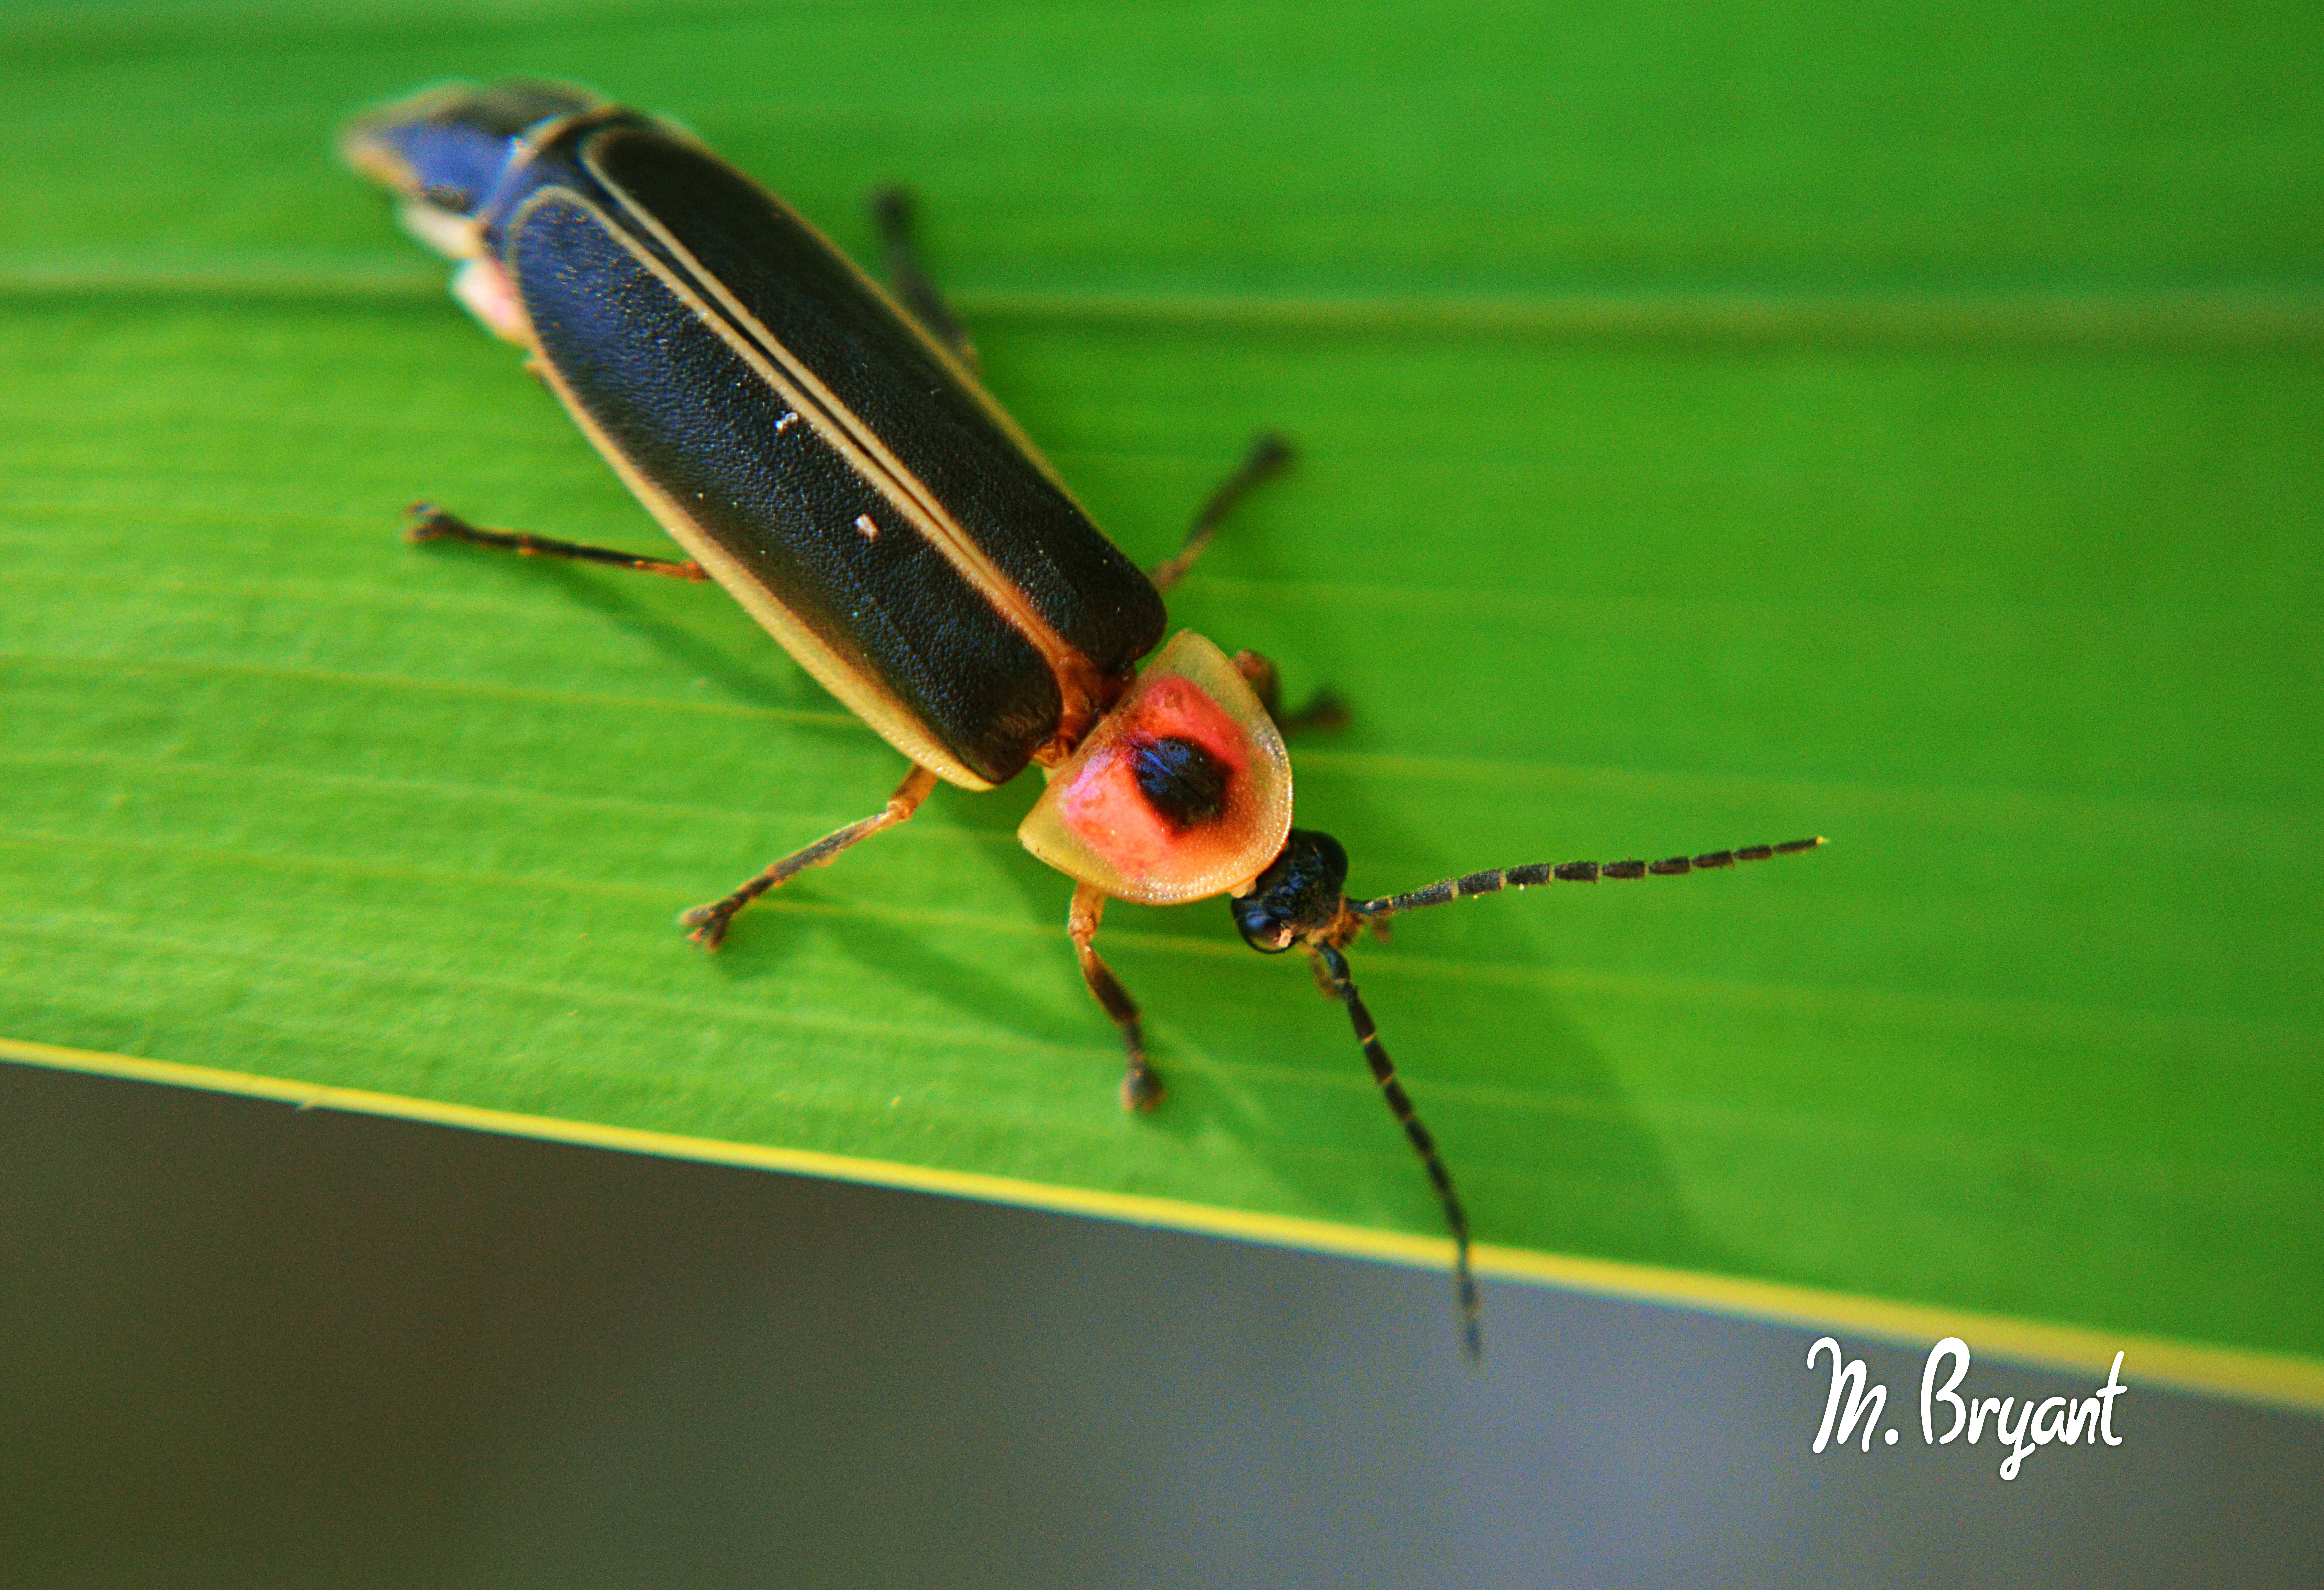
(863, 694)
(2279, 1380)
(847, 434)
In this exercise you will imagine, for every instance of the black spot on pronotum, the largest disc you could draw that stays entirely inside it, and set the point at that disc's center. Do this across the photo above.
(1181, 779)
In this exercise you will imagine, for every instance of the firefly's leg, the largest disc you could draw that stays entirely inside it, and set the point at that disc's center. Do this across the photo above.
(710, 921)
(1269, 455)
(1325, 712)
(433, 524)
(1141, 1089)
(892, 210)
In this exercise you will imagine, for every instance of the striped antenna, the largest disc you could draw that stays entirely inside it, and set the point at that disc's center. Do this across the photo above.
(1343, 988)
(1570, 871)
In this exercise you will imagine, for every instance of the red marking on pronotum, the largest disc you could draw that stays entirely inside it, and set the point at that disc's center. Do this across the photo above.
(1105, 803)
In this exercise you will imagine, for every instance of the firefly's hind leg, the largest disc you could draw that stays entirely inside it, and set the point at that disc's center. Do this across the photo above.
(894, 210)
(431, 523)
(1270, 454)
(1141, 1089)
(710, 921)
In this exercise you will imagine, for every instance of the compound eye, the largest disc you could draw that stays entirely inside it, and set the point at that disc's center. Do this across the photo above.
(1183, 790)
(1261, 929)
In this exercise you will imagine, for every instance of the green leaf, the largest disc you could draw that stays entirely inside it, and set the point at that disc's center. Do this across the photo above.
(1898, 425)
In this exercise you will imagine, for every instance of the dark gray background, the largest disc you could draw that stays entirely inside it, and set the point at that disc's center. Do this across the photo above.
(245, 1344)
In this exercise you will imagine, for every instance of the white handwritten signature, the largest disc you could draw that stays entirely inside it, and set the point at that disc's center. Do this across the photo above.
(2065, 1420)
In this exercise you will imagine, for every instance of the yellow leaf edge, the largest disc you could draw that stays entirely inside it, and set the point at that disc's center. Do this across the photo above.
(2270, 1379)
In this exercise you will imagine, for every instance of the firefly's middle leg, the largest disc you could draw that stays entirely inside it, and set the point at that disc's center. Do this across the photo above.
(1271, 455)
(1141, 1089)
(710, 921)
(431, 523)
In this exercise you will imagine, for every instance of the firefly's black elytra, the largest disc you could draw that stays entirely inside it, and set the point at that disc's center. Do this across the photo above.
(834, 463)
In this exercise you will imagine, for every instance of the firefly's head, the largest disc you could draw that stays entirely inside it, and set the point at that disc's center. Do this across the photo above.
(1298, 896)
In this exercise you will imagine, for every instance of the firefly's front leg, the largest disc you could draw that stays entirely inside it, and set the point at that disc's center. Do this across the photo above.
(1326, 711)
(710, 921)
(1141, 1089)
